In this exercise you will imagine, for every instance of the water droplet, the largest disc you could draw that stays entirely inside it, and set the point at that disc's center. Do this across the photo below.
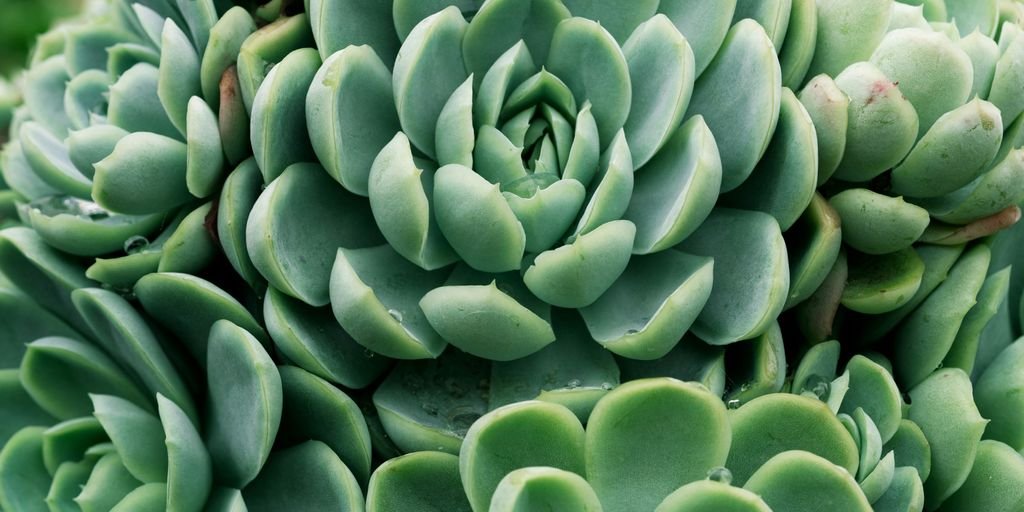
(136, 244)
(52, 206)
(396, 314)
(367, 353)
(607, 386)
(733, 404)
(819, 386)
(631, 332)
(573, 384)
(720, 474)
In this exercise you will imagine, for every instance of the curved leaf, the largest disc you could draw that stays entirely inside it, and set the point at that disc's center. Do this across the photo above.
(307, 477)
(179, 74)
(137, 437)
(312, 339)
(775, 423)
(146, 173)
(417, 481)
(587, 58)
(280, 136)
(189, 472)
(428, 69)
(658, 434)
(541, 488)
(517, 436)
(350, 113)
(245, 404)
(291, 252)
(375, 296)
(744, 124)
(649, 308)
(314, 409)
(751, 277)
(798, 481)
(943, 407)
(338, 24)
(60, 374)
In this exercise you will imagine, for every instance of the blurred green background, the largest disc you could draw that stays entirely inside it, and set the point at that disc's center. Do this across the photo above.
(21, 21)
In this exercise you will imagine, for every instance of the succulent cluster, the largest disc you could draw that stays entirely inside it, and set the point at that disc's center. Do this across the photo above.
(515, 255)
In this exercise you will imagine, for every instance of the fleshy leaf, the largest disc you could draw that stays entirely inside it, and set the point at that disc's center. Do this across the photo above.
(238, 196)
(67, 441)
(350, 113)
(649, 308)
(23, 478)
(517, 436)
(312, 339)
(743, 124)
(179, 74)
(306, 477)
(675, 192)
(501, 24)
(934, 73)
(658, 434)
(487, 321)
(994, 482)
(882, 123)
(430, 405)
(60, 373)
(703, 24)
(146, 173)
(998, 399)
(708, 496)
(137, 436)
(279, 136)
(587, 58)
(751, 277)
(189, 472)
(848, 32)
(51, 161)
(294, 254)
(225, 40)
(375, 296)
(417, 481)
(772, 424)
(245, 404)
(462, 198)
(188, 306)
(924, 338)
(338, 24)
(874, 223)
(883, 283)
(573, 371)
(428, 69)
(314, 409)
(797, 481)
(204, 168)
(782, 184)
(125, 335)
(401, 199)
(813, 245)
(539, 488)
(943, 407)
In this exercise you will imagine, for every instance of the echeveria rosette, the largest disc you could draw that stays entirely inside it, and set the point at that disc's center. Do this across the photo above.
(636, 226)
(517, 134)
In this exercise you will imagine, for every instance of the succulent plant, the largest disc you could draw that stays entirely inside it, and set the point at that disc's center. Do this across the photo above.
(515, 255)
